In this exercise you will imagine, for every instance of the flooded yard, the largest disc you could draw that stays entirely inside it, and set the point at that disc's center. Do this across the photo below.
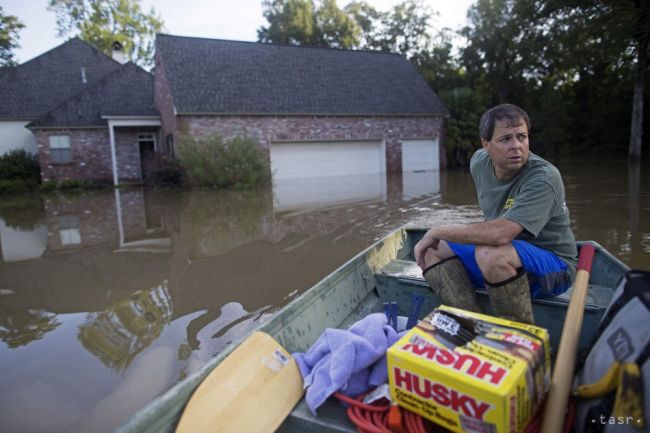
(108, 298)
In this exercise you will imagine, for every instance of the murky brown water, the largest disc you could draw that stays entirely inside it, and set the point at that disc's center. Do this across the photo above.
(109, 298)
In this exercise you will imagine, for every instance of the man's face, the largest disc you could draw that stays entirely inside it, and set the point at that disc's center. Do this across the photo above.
(508, 148)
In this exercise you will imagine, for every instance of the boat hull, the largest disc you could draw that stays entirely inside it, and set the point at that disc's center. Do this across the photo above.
(383, 272)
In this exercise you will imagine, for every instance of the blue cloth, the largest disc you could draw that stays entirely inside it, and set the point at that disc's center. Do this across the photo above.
(547, 274)
(349, 361)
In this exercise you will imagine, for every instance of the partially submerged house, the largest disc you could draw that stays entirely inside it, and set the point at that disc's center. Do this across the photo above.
(108, 131)
(316, 111)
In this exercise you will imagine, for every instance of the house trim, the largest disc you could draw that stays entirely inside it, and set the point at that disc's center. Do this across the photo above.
(369, 115)
(66, 127)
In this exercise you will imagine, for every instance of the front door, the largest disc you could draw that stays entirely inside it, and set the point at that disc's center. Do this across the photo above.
(147, 143)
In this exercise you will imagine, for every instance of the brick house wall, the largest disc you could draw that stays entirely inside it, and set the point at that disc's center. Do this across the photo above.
(91, 155)
(163, 102)
(266, 129)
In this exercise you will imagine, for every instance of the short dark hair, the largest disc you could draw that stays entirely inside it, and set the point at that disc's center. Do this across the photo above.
(513, 114)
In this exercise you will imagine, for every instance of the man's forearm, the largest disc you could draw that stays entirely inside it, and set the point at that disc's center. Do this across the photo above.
(496, 232)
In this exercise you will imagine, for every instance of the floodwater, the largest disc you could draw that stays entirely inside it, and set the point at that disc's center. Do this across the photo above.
(108, 298)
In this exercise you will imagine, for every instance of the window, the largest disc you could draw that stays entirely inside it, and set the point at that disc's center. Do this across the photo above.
(60, 151)
(147, 139)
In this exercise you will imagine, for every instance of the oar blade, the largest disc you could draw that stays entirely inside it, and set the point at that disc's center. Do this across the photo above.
(252, 390)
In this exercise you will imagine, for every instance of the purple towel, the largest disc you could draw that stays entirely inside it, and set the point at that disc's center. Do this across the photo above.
(350, 361)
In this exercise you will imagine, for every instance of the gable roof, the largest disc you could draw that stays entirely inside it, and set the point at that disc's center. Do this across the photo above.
(30, 90)
(220, 76)
(127, 91)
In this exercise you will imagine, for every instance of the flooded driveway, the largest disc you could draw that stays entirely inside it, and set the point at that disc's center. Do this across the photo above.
(108, 298)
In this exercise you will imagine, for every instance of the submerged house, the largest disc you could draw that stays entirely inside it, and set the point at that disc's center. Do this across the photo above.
(316, 111)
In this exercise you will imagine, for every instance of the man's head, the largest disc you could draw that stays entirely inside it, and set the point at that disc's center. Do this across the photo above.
(504, 135)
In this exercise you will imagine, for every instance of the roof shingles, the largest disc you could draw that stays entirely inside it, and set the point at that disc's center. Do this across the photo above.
(30, 90)
(127, 91)
(218, 76)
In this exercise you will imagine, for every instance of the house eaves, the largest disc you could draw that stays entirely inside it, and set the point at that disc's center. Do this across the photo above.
(285, 114)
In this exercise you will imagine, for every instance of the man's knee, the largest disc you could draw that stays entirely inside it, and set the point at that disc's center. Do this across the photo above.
(432, 256)
(489, 257)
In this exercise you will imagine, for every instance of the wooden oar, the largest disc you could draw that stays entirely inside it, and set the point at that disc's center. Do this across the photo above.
(252, 390)
(558, 395)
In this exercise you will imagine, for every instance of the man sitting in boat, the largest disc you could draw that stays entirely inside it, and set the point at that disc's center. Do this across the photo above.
(525, 247)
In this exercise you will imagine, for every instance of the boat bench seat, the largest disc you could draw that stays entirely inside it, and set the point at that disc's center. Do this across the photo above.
(404, 273)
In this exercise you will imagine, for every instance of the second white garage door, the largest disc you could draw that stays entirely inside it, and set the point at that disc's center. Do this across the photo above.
(420, 155)
(299, 160)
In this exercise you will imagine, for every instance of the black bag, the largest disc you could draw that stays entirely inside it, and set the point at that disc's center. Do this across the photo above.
(615, 374)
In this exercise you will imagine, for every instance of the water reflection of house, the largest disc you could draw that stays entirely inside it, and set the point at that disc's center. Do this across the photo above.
(17, 245)
(320, 192)
(119, 218)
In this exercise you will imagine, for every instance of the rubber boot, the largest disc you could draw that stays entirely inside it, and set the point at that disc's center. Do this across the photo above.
(511, 298)
(449, 281)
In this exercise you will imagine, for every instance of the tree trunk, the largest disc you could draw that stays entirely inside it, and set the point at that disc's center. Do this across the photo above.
(636, 128)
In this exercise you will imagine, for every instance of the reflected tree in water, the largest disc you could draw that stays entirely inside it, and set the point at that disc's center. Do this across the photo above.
(118, 334)
(23, 212)
(19, 326)
(220, 220)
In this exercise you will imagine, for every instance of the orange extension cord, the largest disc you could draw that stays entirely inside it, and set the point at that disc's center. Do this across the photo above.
(386, 418)
(381, 418)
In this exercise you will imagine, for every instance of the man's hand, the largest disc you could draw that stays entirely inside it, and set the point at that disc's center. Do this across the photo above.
(421, 248)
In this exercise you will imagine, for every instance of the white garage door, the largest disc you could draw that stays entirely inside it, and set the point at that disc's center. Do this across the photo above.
(300, 160)
(420, 155)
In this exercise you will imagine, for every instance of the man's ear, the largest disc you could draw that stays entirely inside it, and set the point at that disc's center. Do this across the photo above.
(484, 143)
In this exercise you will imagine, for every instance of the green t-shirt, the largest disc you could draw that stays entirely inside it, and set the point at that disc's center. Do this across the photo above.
(534, 198)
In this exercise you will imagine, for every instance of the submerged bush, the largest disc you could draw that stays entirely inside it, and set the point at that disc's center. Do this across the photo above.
(19, 169)
(214, 162)
(167, 172)
(71, 184)
(17, 185)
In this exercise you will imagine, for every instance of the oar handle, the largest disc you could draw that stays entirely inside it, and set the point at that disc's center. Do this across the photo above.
(586, 258)
(558, 395)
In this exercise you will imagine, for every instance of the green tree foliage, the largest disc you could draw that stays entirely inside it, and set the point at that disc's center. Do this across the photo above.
(102, 22)
(9, 27)
(305, 22)
(577, 66)
(406, 28)
(571, 64)
(611, 41)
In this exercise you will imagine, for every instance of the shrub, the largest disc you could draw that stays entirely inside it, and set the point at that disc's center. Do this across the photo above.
(70, 184)
(17, 185)
(20, 164)
(213, 162)
(167, 171)
(73, 184)
(49, 185)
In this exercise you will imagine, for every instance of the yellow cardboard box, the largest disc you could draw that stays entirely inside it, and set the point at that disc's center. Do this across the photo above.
(471, 372)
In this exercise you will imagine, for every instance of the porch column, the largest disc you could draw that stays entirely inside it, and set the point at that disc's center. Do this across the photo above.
(111, 134)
